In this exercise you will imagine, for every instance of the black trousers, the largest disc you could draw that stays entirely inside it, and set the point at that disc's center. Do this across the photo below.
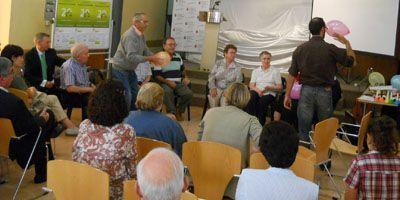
(75, 100)
(258, 106)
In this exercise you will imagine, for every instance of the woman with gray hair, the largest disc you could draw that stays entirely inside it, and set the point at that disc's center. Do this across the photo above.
(150, 123)
(161, 183)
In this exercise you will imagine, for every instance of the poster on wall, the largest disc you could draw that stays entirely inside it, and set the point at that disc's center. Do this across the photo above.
(82, 21)
(187, 30)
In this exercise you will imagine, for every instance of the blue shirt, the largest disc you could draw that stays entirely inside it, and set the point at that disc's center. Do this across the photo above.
(157, 126)
(74, 73)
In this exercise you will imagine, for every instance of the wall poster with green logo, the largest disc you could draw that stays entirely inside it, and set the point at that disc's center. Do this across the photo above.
(85, 21)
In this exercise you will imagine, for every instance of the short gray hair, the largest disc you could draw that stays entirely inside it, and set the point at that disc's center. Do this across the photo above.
(40, 36)
(5, 65)
(160, 175)
(138, 16)
(265, 53)
(77, 49)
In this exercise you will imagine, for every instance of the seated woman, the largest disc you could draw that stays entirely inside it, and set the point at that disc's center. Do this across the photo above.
(225, 72)
(230, 125)
(104, 142)
(265, 82)
(38, 99)
(376, 175)
(148, 122)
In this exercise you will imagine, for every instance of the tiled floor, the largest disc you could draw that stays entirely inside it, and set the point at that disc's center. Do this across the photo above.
(63, 145)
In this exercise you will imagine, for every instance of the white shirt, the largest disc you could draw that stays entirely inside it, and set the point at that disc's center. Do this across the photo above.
(274, 183)
(263, 78)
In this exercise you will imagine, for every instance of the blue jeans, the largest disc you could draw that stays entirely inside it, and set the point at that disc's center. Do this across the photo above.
(130, 82)
(313, 99)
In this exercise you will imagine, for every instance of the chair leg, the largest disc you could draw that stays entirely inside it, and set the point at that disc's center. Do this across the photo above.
(69, 112)
(333, 181)
(339, 153)
(188, 112)
(205, 107)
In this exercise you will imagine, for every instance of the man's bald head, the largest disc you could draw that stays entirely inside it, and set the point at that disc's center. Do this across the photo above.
(160, 176)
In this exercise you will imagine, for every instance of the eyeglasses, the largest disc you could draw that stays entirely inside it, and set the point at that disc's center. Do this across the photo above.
(173, 45)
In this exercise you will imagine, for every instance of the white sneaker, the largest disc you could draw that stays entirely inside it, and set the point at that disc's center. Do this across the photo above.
(72, 131)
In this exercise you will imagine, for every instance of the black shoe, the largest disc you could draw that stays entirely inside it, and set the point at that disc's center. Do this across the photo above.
(39, 179)
(57, 130)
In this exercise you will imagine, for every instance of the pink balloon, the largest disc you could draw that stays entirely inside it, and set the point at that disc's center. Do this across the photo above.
(295, 93)
(336, 26)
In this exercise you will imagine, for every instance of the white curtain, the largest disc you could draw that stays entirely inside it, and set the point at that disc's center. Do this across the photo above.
(277, 26)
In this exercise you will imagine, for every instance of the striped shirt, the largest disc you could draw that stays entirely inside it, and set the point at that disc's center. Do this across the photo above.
(375, 175)
(74, 73)
(173, 71)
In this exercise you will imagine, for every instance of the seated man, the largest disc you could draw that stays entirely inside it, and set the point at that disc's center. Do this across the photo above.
(25, 125)
(279, 144)
(75, 79)
(264, 83)
(143, 73)
(174, 80)
(154, 181)
(40, 64)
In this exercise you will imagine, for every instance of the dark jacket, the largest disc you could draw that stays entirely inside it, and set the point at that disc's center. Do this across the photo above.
(33, 68)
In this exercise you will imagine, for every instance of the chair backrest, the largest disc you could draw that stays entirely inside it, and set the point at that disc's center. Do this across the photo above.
(20, 94)
(145, 145)
(72, 180)
(130, 190)
(362, 132)
(211, 165)
(306, 153)
(304, 168)
(258, 161)
(324, 133)
(6, 133)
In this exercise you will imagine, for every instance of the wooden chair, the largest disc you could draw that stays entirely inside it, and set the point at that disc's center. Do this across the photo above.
(72, 180)
(322, 138)
(258, 161)
(130, 192)
(6, 133)
(346, 147)
(302, 167)
(20, 94)
(211, 165)
(145, 145)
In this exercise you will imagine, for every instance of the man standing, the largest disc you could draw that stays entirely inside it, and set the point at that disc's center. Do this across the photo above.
(316, 61)
(40, 63)
(174, 80)
(131, 51)
(75, 79)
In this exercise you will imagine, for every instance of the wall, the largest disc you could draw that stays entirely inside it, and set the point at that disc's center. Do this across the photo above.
(5, 10)
(155, 10)
(27, 20)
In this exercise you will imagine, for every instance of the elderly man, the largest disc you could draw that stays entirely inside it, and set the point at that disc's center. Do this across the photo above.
(131, 51)
(155, 182)
(25, 125)
(174, 81)
(40, 63)
(75, 79)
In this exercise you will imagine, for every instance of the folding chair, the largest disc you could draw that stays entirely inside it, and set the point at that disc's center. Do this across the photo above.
(145, 145)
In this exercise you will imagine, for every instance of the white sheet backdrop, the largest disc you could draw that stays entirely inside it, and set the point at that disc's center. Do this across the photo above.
(277, 26)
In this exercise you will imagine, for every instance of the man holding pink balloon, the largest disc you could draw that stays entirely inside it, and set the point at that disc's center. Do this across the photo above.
(316, 61)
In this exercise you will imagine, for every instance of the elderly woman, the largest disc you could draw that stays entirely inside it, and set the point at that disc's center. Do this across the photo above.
(150, 123)
(104, 142)
(38, 99)
(376, 175)
(265, 82)
(75, 79)
(225, 72)
(230, 124)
